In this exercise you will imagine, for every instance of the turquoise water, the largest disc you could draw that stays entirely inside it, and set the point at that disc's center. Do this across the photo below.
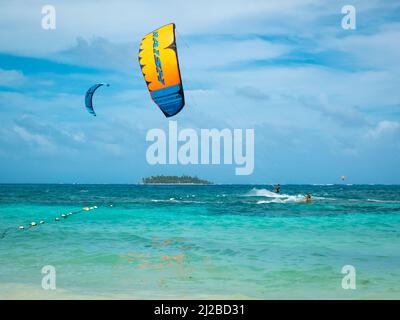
(222, 241)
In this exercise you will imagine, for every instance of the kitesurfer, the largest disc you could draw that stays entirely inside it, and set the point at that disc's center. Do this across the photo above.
(308, 198)
(277, 188)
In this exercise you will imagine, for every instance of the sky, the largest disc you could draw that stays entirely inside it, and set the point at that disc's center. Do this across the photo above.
(323, 101)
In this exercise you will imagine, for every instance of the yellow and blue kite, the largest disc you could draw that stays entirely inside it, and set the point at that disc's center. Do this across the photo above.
(158, 59)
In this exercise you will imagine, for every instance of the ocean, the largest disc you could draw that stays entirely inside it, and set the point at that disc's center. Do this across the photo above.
(200, 242)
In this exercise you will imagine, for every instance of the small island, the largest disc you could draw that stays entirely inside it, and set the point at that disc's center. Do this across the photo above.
(174, 180)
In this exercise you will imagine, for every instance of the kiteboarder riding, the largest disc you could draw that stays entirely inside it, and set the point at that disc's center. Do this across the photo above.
(277, 188)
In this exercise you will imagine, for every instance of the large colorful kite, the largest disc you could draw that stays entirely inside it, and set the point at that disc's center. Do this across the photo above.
(158, 59)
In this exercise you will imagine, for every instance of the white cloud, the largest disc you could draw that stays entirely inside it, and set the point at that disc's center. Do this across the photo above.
(385, 127)
(252, 93)
(379, 50)
(211, 54)
(11, 78)
(99, 53)
(35, 138)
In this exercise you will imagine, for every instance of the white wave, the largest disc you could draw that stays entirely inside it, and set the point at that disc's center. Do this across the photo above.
(164, 200)
(264, 201)
(264, 193)
(176, 201)
(290, 199)
(383, 201)
(323, 198)
(375, 200)
(275, 197)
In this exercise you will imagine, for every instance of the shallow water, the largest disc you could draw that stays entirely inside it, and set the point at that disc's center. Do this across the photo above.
(221, 241)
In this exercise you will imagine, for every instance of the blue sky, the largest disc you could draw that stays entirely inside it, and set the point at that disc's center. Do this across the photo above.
(323, 101)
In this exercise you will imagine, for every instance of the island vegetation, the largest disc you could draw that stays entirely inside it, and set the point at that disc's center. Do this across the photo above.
(174, 180)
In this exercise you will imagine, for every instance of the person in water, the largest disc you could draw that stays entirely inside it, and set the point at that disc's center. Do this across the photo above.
(308, 198)
(277, 188)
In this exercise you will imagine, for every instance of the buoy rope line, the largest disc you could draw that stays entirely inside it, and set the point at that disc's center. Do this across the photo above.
(34, 224)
